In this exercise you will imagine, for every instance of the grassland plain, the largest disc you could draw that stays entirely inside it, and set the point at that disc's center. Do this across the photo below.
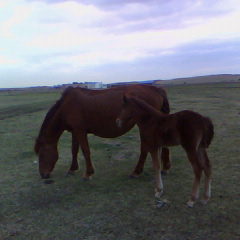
(111, 206)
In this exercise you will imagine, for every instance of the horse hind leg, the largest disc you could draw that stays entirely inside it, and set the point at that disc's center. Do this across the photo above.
(194, 160)
(207, 168)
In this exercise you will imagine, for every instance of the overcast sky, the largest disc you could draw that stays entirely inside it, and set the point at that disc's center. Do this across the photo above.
(48, 42)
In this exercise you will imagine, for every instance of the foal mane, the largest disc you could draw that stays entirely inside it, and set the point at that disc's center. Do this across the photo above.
(50, 114)
(142, 105)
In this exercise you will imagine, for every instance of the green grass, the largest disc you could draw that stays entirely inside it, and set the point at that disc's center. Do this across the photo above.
(112, 206)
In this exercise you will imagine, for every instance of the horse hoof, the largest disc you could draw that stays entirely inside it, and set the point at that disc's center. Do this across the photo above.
(49, 181)
(190, 204)
(204, 201)
(133, 176)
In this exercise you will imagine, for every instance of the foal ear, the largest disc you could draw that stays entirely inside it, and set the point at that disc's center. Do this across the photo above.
(126, 98)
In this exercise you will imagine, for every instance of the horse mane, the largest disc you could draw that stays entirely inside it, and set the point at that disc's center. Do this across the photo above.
(52, 111)
(165, 106)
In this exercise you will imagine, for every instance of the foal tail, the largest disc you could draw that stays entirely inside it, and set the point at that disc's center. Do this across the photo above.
(208, 132)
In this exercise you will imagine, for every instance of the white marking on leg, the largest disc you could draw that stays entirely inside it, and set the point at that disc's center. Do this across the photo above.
(207, 192)
(159, 188)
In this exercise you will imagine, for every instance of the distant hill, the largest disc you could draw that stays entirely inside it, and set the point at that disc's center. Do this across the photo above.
(201, 79)
(220, 78)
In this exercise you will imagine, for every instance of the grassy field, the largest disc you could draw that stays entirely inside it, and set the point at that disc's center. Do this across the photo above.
(111, 206)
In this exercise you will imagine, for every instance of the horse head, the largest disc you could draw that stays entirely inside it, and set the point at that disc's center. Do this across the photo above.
(48, 156)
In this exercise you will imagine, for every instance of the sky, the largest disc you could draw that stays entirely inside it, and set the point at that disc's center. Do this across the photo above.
(51, 42)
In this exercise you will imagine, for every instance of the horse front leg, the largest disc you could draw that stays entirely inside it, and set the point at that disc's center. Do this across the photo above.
(75, 149)
(207, 168)
(86, 153)
(158, 177)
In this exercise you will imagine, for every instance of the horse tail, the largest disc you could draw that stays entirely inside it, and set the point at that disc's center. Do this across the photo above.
(208, 132)
(165, 106)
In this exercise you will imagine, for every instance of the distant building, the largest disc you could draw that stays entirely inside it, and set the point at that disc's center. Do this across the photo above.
(147, 82)
(93, 85)
(89, 85)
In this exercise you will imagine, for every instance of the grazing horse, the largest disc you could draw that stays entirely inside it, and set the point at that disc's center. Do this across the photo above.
(83, 111)
(186, 128)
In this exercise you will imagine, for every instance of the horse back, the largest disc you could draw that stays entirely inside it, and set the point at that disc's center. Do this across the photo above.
(95, 111)
(108, 102)
(155, 96)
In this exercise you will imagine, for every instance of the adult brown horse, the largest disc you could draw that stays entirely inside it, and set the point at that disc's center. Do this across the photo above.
(189, 129)
(83, 111)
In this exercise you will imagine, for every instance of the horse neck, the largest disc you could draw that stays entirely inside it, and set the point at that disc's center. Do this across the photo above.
(52, 132)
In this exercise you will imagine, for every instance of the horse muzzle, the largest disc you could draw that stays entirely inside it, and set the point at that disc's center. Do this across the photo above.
(119, 122)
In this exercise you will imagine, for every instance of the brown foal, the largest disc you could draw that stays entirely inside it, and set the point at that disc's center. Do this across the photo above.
(189, 129)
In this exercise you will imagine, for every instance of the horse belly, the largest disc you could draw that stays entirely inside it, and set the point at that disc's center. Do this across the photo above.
(109, 129)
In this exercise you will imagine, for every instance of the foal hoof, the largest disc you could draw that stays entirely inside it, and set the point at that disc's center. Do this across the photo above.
(86, 178)
(164, 172)
(158, 194)
(190, 204)
(161, 203)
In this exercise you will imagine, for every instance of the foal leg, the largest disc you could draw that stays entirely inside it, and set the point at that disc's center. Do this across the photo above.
(207, 168)
(142, 158)
(158, 177)
(86, 153)
(166, 160)
(194, 160)
(75, 149)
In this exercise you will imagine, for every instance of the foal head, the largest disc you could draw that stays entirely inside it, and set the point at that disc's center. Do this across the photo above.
(140, 110)
(128, 112)
(48, 156)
